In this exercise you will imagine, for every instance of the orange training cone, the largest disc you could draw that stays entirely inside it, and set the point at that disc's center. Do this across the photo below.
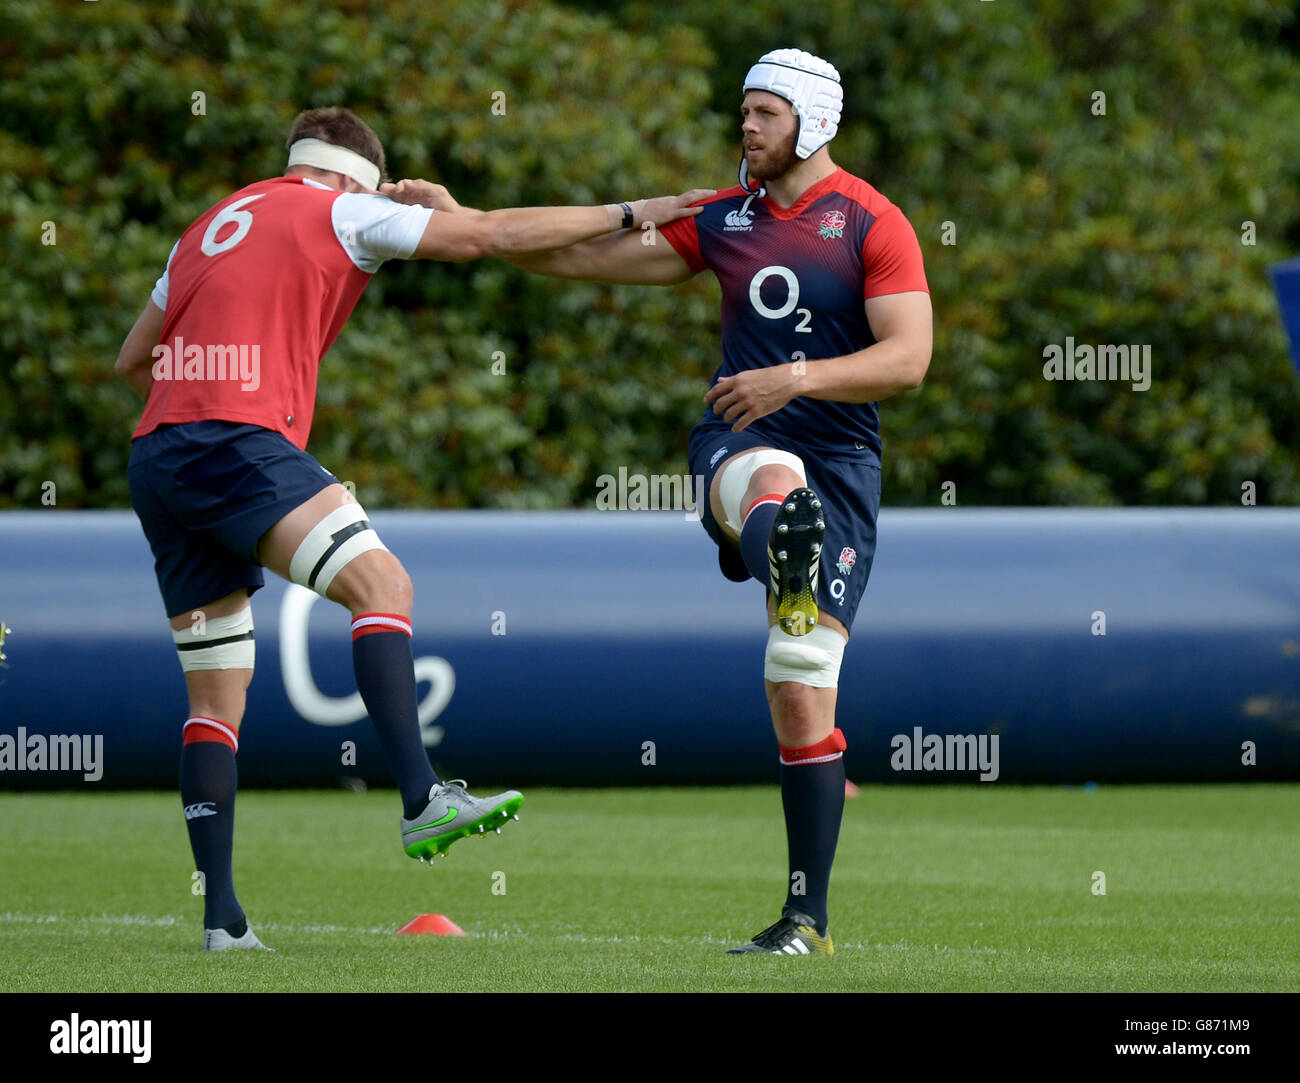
(850, 790)
(432, 925)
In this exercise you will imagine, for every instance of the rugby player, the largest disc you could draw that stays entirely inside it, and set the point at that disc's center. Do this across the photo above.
(825, 311)
(225, 354)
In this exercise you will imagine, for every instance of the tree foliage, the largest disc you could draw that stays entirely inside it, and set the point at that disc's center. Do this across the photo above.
(1115, 227)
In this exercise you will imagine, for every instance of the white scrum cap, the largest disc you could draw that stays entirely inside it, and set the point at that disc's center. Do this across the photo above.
(810, 85)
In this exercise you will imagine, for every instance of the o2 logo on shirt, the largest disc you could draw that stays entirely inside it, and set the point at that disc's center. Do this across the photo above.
(804, 326)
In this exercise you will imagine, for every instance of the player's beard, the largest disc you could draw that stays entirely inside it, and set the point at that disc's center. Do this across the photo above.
(776, 163)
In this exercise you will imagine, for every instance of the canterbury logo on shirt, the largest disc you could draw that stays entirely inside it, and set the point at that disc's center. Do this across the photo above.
(742, 219)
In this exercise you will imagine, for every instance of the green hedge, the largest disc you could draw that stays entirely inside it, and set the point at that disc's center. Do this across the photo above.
(1118, 228)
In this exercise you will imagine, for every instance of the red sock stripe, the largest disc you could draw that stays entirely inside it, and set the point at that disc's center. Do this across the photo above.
(832, 748)
(209, 729)
(767, 498)
(368, 624)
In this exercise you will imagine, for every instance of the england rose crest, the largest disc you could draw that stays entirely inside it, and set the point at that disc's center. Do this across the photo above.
(848, 558)
(832, 225)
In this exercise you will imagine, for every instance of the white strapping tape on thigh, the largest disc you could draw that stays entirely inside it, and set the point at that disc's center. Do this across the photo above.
(813, 659)
(736, 476)
(217, 642)
(344, 534)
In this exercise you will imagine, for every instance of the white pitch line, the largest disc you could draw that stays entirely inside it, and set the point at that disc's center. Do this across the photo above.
(172, 920)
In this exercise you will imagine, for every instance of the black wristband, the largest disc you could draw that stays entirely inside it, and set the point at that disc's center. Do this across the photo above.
(628, 216)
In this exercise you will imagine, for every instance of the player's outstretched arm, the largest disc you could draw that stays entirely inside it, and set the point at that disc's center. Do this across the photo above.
(628, 256)
(135, 359)
(465, 233)
(634, 256)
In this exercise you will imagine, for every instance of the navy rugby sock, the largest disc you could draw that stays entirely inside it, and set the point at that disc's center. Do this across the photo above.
(209, 779)
(812, 792)
(755, 534)
(381, 658)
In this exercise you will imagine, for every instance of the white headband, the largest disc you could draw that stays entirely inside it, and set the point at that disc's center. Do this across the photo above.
(335, 159)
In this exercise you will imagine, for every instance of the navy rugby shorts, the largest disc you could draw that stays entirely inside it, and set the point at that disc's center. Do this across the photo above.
(205, 493)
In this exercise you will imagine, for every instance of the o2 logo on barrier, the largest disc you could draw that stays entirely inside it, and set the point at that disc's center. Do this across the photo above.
(322, 710)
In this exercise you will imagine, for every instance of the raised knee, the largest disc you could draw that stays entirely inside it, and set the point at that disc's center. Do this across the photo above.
(750, 476)
(774, 478)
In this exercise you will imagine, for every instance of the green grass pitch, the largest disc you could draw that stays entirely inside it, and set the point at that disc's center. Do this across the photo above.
(935, 888)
